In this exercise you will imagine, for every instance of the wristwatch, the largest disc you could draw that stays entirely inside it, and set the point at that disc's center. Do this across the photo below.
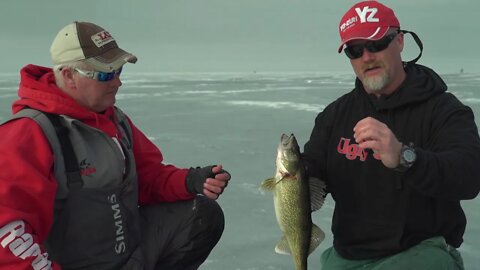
(407, 157)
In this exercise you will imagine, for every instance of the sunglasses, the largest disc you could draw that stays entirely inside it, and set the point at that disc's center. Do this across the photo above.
(99, 75)
(356, 51)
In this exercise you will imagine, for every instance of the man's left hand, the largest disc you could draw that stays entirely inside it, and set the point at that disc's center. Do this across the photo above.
(370, 133)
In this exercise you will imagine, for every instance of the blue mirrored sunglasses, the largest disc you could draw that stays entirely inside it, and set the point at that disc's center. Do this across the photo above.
(99, 75)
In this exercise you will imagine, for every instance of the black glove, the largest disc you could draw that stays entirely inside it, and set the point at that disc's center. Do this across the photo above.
(196, 177)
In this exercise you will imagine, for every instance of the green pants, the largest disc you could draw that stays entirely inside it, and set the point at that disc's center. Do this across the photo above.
(431, 254)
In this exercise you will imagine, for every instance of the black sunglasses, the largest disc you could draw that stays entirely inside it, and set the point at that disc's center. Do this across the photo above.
(356, 51)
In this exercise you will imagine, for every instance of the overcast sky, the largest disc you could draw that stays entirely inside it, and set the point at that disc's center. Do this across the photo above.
(236, 35)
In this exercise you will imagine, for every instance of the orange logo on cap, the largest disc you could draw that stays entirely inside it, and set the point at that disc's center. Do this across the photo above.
(102, 38)
(104, 35)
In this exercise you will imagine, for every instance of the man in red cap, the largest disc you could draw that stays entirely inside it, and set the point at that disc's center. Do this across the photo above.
(81, 187)
(398, 154)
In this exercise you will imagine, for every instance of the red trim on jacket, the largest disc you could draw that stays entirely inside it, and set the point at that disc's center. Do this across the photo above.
(27, 183)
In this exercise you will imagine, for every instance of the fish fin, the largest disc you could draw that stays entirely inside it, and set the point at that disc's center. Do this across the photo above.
(282, 247)
(318, 192)
(316, 238)
(268, 185)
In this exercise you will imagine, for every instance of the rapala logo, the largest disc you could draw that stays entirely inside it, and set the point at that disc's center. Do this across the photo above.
(21, 245)
(353, 151)
(366, 14)
(102, 38)
(86, 168)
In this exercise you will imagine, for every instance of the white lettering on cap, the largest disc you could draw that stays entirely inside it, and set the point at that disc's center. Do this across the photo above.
(366, 14)
(362, 13)
(348, 22)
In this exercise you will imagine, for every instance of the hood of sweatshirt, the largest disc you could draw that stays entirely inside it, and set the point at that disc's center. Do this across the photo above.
(421, 83)
(39, 91)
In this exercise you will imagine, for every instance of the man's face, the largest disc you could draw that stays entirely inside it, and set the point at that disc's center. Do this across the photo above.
(381, 71)
(95, 95)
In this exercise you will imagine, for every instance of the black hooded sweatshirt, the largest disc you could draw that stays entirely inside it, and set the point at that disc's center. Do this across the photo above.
(380, 211)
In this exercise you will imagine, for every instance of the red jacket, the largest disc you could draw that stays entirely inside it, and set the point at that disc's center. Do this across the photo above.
(27, 182)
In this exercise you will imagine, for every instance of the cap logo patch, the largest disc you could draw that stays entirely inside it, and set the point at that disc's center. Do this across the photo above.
(102, 38)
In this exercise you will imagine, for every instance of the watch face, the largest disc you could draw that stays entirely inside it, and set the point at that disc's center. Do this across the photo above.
(409, 155)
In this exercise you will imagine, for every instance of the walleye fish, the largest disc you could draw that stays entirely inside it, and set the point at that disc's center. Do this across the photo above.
(295, 197)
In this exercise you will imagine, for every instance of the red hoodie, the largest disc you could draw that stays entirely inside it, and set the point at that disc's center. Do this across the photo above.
(27, 182)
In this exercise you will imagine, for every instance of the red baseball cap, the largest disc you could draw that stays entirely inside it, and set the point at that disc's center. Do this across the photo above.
(366, 20)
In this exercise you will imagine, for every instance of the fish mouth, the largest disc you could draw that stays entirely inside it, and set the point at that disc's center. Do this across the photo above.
(289, 153)
(284, 137)
(287, 141)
